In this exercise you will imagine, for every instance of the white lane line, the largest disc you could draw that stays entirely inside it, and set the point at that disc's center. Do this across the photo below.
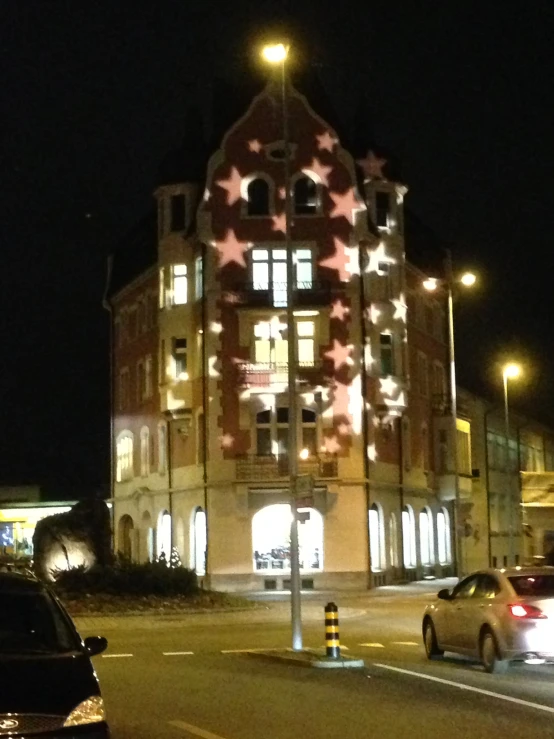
(471, 688)
(112, 656)
(406, 643)
(372, 644)
(194, 730)
(258, 649)
(175, 654)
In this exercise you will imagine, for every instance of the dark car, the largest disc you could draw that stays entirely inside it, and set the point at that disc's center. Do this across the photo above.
(48, 686)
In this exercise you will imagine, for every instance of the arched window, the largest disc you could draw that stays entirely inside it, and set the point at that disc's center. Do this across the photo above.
(271, 539)
(443, 537)
(305, 196)
(144, 451)
(147, 539)
(408, 536)
(393, 541)
(309, 432)
(125, 536)
(124, 457)
(198, 541)
(376, 538)
(257, 197)
(163, 539)
(426, 539)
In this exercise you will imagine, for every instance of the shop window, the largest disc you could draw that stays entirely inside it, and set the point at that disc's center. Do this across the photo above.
(426, 540)
(409, 536)
(376, 538)
(443, 537)
(271, 540)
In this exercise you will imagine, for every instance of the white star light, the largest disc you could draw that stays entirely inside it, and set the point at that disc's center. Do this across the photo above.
(378, 256)
(326, 141)
(400, 309)
(371, 452)
(355, 404)
(373, 314)
(388, 386)
(232, 185)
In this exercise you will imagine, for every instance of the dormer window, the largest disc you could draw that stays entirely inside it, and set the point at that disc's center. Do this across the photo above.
(177, 212)
(305, 196)
(257, 197)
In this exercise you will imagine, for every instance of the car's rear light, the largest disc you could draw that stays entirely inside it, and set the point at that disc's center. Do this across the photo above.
(525, 611)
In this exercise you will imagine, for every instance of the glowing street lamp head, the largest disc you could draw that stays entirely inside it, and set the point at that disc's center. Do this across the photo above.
(430, 284)
(468, 279)
(275, 53)
(304, 454)
(511, 371)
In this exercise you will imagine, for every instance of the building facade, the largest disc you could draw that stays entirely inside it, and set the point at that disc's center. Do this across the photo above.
(200, 372)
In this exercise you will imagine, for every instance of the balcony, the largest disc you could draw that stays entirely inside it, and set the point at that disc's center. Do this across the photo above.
(265, 375)
(312, 294)
(266, 467)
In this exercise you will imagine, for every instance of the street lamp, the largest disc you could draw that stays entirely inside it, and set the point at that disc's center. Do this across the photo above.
(277, 54)
(467, 279)
(510, 371)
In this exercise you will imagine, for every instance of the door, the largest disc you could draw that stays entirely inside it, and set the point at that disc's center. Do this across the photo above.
(461, 606)
(477, 611)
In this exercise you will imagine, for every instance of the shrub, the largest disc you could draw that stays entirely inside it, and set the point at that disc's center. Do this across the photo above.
(127, 578)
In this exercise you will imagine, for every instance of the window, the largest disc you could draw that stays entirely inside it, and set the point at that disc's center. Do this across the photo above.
(180, 285)
(305, 333)
(463, 447)
(304, 269)
(309, 431)
(466, 588)
(263, 433)
(177, 212)
(258, 197)
(162, 449)
(408, 536)
(144, 451)
(180, 358)
(269, 272)
(305, 196)
(382, 208)
(124, 457)
(270, 348)
(407, 443)
(443, 537)
(487, 587)
(161, 286)
(272, 432)
(198, 278)
(393, 541)
(387, 354)
(376, 538)
(271, 540)
(199, 538)
(423, 375)
(426, 541)
(148, 377)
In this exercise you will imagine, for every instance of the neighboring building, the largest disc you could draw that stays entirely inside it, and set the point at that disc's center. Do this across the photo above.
(199, 366)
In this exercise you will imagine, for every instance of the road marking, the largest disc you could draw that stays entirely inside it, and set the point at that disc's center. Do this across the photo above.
(259, 649)
(194, 730)
(372, 644)
(175, 654)
(471, 688)
(110, 656)
(407, 643)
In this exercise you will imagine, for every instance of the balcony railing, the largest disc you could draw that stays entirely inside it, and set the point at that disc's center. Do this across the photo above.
(264, 467)
(274, 294)
(267, 374)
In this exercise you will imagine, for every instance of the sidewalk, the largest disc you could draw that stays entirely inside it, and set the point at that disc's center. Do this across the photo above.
(273, 609)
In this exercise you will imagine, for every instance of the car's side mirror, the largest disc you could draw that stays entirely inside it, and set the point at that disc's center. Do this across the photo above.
(444, 594)
(95, 645)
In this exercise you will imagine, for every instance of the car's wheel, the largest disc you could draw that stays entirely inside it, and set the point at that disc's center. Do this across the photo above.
(430, 641)
(490, 654)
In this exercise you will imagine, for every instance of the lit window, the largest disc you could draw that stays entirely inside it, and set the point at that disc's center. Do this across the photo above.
(180, 285)
(124, 457)
(161, 286)
(271, 540)
(305, 333)
(258, 197)
(308, 419)
(393, 541)
(305, 196)
(180, 358)
(387, 354)
(408, 536)
(269, 272)
(426, 542)
(376, 538)
(443, 537)
(199, 542)
(144, 452)
(304, 269)
(463, 447)
(270, 349)
(198, 278)
(177, 212)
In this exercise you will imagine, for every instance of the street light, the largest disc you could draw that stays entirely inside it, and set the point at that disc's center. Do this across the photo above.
(510, 371)
(277, 54)
(467, 279)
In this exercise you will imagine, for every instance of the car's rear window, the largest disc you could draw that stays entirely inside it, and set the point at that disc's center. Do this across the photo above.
(31, 623)
(535, 586)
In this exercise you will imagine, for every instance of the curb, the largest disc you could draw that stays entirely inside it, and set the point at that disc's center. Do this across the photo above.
(308, 658)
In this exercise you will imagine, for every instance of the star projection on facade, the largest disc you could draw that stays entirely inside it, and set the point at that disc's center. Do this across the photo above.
(341, 401)
(400, 310)
(326, 141)
(255, 146)
(371, 453)
(378, 256)
(339, 310)
(232, 250)
(343, 260)
(320, 170)
(388, 386)
(343, 429)
(340, 354)
(372, 166)
(345, 205)
(279, 222)
(373, 314)
(232, 185)
(226, 441)
(332, 446)
(282, 193)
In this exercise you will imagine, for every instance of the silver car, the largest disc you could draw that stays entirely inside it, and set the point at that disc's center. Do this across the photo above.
(496, 616)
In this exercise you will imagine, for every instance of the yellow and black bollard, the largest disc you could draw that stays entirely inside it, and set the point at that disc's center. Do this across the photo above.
(332, 641)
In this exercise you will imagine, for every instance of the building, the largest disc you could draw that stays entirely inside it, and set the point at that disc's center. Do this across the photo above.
(200, 369)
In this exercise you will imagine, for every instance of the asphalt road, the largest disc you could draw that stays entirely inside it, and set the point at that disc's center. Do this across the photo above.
(191, 678)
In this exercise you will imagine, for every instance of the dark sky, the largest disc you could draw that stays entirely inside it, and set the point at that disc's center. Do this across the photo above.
(94, 94)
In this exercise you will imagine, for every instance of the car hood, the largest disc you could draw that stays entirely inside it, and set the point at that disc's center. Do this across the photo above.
(45, 684)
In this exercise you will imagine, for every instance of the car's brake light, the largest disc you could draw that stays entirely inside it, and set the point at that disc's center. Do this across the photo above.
(520, 611)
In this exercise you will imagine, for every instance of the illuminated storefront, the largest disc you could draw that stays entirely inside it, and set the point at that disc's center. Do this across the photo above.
(17, 526)
(271, 539)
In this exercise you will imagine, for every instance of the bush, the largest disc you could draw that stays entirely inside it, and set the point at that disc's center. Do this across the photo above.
(127, 578)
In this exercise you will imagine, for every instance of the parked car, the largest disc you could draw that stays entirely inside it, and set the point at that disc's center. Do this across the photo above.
(47, 681)
(496, 616)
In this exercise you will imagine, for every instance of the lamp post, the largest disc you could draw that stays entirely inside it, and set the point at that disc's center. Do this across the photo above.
(277, 54)
(509, 372)
(467, 279)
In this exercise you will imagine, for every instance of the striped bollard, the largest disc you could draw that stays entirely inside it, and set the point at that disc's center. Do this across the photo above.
(332, 641)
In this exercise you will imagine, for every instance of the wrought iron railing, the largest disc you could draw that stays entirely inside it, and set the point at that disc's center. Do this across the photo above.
(274, 294)
(270, 466)
(264, 374)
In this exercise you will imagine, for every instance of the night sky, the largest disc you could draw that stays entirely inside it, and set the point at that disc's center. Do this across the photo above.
(93, 95)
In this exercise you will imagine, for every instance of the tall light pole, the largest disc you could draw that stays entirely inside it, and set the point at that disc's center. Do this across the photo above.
(277, 54)
(509, 372)
(468, 280)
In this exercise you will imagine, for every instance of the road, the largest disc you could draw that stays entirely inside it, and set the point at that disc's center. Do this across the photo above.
(191, 677)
